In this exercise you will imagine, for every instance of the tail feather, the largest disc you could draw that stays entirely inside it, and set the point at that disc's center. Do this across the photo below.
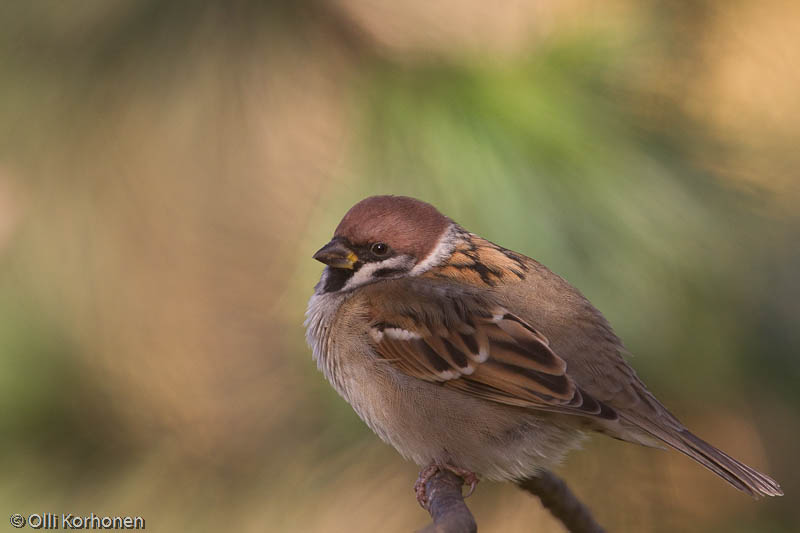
(741, 476)
(738, 474)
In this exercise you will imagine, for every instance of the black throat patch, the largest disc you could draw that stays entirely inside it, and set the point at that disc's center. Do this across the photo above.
(338, 277)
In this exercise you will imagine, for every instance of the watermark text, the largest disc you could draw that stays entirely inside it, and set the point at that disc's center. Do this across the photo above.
(72, 521)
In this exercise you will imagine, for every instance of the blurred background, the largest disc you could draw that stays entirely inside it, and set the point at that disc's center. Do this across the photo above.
(167, 170)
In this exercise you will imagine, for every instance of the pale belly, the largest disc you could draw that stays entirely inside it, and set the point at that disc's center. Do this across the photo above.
(429, 423)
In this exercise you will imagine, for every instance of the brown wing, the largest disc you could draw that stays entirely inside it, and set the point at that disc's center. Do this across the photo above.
(459, 339)
(488, 353)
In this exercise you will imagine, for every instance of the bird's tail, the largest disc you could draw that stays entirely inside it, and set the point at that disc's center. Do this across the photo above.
(738, 474)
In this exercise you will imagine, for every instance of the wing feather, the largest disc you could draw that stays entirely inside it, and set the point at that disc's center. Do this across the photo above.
(487, 353)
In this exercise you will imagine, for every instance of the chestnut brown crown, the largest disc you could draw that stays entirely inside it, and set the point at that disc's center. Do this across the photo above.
(407, 225)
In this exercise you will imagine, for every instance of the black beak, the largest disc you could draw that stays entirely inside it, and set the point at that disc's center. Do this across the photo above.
(337, 255)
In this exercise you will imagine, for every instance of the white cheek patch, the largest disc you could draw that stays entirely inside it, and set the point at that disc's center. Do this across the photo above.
(367, 271)
(443, 249)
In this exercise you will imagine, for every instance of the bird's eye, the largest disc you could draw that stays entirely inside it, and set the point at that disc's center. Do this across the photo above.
(379, 248)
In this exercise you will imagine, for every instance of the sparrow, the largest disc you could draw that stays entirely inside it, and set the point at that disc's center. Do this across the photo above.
(466, 356)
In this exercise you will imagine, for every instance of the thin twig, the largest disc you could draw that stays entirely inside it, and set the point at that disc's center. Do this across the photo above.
(561, 502)
(446, 505)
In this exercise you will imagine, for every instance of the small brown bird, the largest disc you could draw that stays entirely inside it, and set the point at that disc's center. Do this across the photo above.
(466, 356)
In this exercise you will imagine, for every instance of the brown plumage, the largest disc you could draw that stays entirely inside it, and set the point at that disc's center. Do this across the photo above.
(461, 353)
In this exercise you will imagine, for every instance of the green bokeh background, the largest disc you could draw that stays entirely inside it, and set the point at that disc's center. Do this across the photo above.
(167, 170)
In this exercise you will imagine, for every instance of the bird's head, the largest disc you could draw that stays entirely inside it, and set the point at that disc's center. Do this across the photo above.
(384, 237)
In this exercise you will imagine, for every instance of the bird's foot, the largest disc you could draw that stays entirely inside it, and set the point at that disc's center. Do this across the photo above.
(429, 471)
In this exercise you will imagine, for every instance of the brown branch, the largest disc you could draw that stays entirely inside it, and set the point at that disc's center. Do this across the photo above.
(451, 515)
(562, 503)
(446, 505)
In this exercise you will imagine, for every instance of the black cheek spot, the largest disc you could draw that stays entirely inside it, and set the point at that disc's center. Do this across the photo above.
(387, 272)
